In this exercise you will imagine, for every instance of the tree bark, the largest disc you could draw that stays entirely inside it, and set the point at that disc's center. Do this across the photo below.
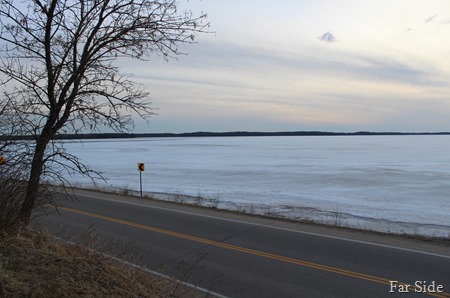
(2, 287)
(34, 181)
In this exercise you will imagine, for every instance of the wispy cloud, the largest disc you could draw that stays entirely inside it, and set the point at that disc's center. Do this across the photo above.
(435, 19)
(235, 66)
(430, 19)
(445, 22)
(327, 37)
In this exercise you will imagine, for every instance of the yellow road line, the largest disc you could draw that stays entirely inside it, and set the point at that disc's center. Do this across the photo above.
(267, 255)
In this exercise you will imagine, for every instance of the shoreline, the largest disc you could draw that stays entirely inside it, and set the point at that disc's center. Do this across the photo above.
(369, 183)
(334, 219)
(203, 134)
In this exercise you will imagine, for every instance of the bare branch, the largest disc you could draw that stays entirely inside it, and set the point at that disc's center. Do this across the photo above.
(57, 68)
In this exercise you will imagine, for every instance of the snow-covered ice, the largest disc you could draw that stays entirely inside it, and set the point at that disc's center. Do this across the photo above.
(398, 184)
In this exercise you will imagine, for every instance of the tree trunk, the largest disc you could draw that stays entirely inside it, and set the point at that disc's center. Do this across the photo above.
(2, 287)
(31, 194)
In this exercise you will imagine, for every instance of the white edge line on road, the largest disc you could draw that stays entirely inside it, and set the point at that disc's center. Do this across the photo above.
(208, 292)
(272, 227)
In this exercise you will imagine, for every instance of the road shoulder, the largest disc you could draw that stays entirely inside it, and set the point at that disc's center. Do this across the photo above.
(401, 242)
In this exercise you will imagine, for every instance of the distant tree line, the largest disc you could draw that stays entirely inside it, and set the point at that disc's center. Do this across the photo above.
(222, 134)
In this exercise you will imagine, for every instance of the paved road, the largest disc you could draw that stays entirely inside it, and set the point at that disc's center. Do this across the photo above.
(242, 256)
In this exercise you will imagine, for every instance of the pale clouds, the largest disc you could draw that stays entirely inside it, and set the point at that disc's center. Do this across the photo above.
(327, 37)
(430, 19)
(268, 70)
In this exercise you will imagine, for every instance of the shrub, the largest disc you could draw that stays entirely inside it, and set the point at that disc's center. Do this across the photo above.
(12, 194)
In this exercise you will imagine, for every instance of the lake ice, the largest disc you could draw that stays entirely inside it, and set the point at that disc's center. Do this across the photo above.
(398, 184)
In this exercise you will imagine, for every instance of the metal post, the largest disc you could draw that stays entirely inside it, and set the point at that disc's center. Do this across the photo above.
(140, 179)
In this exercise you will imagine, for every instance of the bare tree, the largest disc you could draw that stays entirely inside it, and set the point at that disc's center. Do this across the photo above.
(57, 66)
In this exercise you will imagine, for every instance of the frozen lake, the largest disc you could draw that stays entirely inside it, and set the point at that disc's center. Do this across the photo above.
(397, 184)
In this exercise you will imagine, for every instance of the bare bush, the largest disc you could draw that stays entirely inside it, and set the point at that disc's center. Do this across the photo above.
(12, 195)
(13, 182)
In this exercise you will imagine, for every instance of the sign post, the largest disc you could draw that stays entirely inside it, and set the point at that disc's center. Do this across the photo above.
(141, 168)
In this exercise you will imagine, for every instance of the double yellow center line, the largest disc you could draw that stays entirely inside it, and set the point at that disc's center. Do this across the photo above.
(267, 255)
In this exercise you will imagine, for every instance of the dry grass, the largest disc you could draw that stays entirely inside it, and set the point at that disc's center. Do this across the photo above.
(34, 264)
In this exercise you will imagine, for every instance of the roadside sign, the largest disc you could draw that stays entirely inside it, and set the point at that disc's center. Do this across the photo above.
(141, 168)
(2, 160)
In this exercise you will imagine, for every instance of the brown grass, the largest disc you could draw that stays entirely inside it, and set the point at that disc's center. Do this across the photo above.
(34, 264)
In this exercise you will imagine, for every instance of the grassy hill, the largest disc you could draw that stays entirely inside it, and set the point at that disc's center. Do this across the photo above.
(33, 264)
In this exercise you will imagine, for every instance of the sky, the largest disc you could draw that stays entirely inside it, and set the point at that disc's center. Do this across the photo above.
(306, 65)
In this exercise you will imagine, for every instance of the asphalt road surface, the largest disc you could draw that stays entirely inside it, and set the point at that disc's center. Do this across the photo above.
(235, 255)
